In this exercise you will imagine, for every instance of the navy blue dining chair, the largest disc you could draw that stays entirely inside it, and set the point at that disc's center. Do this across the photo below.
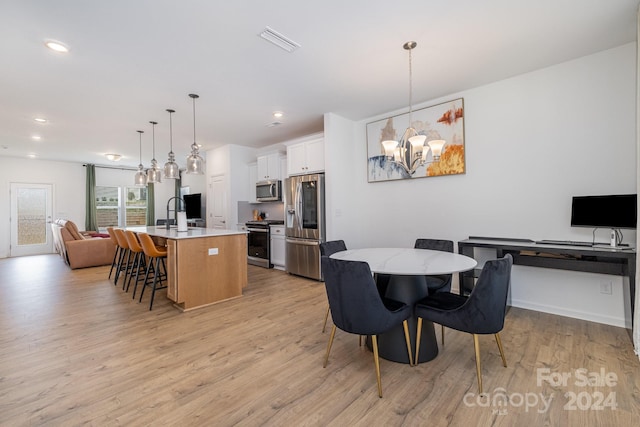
(327, 249)
(482, 312)
(357, 307)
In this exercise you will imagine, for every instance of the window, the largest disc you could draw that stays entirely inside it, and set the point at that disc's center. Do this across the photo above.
(116, 210)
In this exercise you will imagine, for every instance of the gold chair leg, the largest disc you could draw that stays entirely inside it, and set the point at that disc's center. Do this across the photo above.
(418, 337)
(476, 345)
(333, 334)
(442, 334)
(376, 361)
(405, 325)
(499, 341)
(326, 317)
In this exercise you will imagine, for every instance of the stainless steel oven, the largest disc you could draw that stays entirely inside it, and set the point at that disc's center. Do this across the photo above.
(259, 242)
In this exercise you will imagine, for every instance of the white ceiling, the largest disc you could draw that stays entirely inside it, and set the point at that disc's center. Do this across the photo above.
(130, 60)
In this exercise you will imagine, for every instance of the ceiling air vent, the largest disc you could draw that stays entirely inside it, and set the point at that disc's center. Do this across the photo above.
(270, 35)
(273, 124)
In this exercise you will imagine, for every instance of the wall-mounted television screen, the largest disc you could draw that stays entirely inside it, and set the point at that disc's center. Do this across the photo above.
(613, 211)
(193, 205)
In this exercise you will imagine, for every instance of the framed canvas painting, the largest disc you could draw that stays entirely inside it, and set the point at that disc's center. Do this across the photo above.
(393, 153)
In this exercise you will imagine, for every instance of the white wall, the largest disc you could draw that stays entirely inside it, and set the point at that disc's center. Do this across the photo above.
(231, 161)
(532, 142)
(68, 181)
(69, 189)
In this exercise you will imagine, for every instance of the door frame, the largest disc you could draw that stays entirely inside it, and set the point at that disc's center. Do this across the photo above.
(26, 250)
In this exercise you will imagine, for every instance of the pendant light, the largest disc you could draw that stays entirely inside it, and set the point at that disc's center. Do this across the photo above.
(194, 161)
(410, 152)
(171, 169)
(141, 176)
(154, 173)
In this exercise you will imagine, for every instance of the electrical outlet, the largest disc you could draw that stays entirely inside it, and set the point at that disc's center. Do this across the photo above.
(605, 288)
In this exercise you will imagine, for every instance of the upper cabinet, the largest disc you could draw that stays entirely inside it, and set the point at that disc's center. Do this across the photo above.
(269, 167)
(305, 157)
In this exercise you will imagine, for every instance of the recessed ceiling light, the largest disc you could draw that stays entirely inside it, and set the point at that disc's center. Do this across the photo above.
(40, 120)
(278, 114)
(56, 46)
(113, 157)
(36, 137)
(31, 156)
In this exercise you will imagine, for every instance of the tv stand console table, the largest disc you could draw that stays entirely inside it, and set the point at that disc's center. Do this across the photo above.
(590, 259)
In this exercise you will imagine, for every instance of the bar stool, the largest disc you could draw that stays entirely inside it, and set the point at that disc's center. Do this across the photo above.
(112, 236)
(158, 254)
(139, 260)
(125, 255)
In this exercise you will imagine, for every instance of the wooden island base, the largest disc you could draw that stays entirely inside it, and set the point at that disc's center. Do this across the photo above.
(206, 270)
(205, 266)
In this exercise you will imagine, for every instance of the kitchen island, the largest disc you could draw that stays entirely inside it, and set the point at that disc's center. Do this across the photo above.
(204, 265)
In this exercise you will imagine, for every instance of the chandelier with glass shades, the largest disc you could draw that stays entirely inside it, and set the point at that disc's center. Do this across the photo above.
(410, 152)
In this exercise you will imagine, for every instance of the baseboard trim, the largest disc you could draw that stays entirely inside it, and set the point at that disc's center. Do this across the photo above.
(561, 311)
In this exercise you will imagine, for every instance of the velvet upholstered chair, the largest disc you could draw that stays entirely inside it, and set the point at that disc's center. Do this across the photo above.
(357, 307)
(327, 249)
(482, 312)
(439, 283)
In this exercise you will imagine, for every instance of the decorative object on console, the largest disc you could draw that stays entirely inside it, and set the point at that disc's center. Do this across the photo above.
(390, 158)
(141, 176)
(171, 169)
(194, 161)
(154, 173)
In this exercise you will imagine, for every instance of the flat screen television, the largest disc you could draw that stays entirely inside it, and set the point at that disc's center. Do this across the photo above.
(193, 205)
(612, 211)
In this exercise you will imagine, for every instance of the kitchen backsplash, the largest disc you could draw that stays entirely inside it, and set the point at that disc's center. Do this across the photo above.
(273, 210)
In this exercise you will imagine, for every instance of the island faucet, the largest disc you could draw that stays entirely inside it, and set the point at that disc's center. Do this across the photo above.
(175, 209)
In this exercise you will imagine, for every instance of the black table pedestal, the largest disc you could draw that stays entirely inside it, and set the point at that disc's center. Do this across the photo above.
(392, 345)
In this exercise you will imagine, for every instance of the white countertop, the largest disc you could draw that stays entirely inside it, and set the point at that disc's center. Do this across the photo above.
(191, 233)
(404, 261)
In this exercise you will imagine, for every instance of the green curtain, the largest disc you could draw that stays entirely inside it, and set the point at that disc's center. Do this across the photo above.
(151, 205)
(91, 215)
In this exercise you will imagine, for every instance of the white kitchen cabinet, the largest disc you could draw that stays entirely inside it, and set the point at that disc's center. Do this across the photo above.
(277, 246)
(269, 167)
(306, 157)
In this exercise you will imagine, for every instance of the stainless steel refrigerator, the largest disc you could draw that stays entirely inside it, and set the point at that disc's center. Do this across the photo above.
(304, 224)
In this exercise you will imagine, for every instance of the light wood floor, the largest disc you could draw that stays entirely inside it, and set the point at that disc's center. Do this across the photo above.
(74, 349)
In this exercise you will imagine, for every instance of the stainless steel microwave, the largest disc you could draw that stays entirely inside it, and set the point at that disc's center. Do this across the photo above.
(269, 191)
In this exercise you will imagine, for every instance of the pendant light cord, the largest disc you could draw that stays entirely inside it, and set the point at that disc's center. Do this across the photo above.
(410, 88)
(153, 137)
(194, 120)
(140, 132)
(170, 130)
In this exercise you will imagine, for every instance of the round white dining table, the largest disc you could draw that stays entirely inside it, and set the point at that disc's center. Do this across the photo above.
(406, 261)
(406, 269)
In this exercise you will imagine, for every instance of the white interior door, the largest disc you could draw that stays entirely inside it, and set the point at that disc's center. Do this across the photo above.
(31, 210)
(217, 201)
